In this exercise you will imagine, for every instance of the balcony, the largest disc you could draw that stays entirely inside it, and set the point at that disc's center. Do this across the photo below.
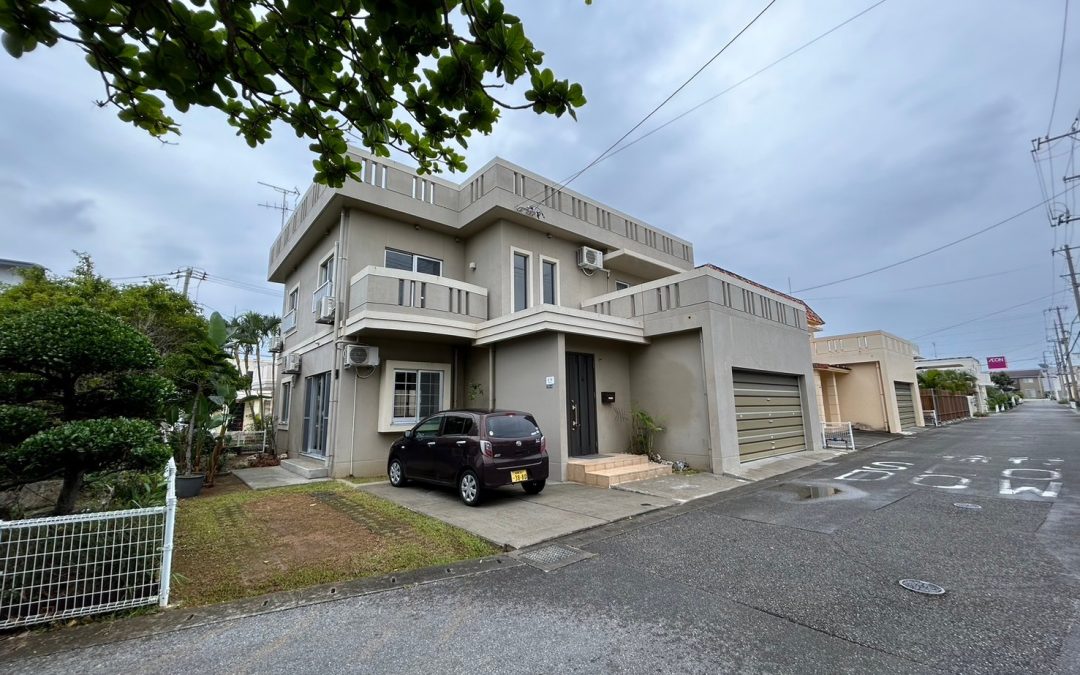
(324, 291)
(384, 298)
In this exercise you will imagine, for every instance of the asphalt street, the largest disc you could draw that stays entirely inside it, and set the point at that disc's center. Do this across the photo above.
(759, 579)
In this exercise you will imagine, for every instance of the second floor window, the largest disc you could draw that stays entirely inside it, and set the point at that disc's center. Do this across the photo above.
(621, 285)
(403, 260)
(293, 299)
(521, 281)
(550, 282)
(326, 271)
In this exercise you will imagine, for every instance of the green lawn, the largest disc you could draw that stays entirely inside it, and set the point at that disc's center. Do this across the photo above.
(248, 543)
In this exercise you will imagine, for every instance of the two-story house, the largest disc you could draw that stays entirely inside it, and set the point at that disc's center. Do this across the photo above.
(408, 294)
(868, 379)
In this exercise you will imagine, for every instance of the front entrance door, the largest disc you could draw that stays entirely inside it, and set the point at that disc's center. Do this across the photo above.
(581, 404)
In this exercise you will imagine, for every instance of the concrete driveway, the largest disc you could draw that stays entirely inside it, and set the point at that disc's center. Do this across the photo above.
(510, 518)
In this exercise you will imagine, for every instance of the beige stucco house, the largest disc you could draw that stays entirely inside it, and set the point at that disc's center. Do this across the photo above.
(867, 379)
(408, 294)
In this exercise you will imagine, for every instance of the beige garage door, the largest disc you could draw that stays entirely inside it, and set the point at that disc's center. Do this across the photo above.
(768, 414)
(905, 404)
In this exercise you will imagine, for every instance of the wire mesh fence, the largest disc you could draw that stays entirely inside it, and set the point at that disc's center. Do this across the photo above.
(67, 566)
(837, 435)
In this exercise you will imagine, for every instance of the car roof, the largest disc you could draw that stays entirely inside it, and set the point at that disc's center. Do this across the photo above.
(479, 411)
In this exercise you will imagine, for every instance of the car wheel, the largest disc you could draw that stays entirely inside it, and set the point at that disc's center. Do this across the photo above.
(396, 472)
(469, 488)
(533, 487)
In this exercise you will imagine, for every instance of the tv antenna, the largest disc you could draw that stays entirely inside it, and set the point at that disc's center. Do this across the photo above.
(283, 207)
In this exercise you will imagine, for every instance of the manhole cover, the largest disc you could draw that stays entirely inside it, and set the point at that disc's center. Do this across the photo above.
(924, 587)
(552, 557)
(967, 505)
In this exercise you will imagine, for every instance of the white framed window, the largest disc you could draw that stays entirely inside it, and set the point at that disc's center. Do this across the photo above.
(549, 281)
(410, 391)
(412, 262)
(285, 404)
(324, 287)
(621, 285)
(520, 279)
(288, 318)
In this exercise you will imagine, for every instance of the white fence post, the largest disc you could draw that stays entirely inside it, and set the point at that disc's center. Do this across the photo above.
(170, 522)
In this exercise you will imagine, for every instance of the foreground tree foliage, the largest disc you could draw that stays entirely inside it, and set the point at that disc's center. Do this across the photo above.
(74, 378)
(953, 381)
(391, 74)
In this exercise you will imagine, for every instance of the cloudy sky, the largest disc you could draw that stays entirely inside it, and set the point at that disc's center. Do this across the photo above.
(904, 130)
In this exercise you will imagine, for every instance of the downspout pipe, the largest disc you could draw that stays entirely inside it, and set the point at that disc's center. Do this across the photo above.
(340, 268)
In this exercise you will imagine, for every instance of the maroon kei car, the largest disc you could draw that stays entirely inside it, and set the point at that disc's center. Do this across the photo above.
(473, 450)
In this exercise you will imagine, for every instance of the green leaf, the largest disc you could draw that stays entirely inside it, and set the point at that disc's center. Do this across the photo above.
(13, 44)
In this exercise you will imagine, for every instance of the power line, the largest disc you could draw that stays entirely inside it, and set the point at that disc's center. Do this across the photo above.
(980, 318)
(743, 81)
(933, 250)
(935, 285)
(654, 110)
(1061, 62)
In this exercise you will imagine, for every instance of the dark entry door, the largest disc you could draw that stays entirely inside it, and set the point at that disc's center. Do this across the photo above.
(581, 403)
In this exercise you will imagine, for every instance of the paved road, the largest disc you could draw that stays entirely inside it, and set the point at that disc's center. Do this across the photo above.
(759, 579)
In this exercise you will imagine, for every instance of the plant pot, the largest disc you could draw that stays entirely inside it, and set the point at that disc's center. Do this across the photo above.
(189, 485)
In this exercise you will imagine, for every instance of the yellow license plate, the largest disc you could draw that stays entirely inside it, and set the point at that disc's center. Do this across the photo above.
(518, 476)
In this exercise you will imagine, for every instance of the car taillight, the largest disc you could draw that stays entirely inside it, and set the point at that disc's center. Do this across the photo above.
(485, 449)
(543, 446)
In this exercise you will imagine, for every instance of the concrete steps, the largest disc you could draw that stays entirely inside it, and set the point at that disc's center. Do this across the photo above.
(306, 467)
(608, 470)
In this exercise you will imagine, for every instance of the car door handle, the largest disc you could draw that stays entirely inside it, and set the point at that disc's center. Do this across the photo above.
(461, 442)
(430, 443)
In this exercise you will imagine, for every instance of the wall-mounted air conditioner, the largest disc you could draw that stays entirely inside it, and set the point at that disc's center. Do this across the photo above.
(292, 364)
(357, 356)
(276, 344)
(590, 259)
(327, 307)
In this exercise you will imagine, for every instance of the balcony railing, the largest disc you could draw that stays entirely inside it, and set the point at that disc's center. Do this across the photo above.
(381, 289)
(324, 291)
(288, 321)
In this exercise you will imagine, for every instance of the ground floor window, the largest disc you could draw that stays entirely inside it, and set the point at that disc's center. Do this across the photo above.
(417, 394)
(286, 402)
(316, 413)
(409, 391)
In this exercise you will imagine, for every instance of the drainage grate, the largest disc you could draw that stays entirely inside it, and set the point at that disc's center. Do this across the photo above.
(967, 505)
(924, 587)
(552, 557)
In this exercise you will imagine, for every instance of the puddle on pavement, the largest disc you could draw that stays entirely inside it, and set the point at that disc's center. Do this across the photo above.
(816, 491)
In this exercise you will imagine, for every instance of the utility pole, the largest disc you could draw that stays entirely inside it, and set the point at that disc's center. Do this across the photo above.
(1067, 250)
(187, 273)
(1063, 337)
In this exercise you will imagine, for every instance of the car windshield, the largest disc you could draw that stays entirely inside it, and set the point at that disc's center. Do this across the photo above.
(511, 426)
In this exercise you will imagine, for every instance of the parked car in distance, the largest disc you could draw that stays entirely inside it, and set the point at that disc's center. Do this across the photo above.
(472, 450)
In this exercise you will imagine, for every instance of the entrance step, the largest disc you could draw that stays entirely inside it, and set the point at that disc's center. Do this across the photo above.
(306, 467)
(613, 469)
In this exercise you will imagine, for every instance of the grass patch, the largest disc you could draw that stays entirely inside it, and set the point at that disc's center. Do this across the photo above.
(250, 543)
(362, 481)
(686, 472)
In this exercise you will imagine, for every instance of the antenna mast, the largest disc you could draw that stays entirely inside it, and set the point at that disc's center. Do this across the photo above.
(284, 206)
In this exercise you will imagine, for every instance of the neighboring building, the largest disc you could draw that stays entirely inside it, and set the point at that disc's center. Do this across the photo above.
(967, 364)
(11, 271)
(257, 401)
(1029, 383)
(507, 292)
(867, 379)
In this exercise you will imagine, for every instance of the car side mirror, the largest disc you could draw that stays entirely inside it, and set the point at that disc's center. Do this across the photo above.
(408, 433)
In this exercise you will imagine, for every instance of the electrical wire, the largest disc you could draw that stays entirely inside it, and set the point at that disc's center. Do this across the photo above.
(743, 81)
(980, 318)
(935, 249)
(918, 288)
(1061, 62)
(670, 96)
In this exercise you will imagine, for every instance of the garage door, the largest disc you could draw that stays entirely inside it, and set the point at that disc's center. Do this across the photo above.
(905, 404)
(768, 414)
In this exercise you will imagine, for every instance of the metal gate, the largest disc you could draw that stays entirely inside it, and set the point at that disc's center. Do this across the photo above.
(905, 404)
(768, 414)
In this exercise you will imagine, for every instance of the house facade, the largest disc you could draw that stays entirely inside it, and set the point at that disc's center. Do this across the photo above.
(11, 271)
(966, 364)
(1030, 384)
(408, 294)
(868, 379)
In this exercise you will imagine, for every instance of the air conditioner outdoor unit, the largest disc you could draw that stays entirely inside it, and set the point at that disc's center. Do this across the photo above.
(590, 259)
(326, 309)
(357, 356)
(292, 364)
(276, 343)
